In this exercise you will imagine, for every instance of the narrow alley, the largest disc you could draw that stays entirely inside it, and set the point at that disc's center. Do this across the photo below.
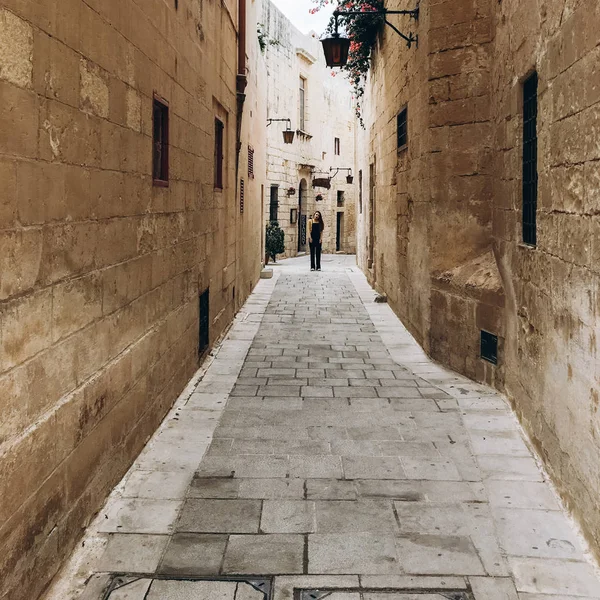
(321, 454)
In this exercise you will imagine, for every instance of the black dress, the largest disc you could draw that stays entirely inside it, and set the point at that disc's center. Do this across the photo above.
(315, 245)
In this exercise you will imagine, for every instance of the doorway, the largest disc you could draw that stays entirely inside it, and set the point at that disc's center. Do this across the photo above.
(302, 193)
(339, 231)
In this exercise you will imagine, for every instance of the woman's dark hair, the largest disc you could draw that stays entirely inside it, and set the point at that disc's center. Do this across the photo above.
(320, 218)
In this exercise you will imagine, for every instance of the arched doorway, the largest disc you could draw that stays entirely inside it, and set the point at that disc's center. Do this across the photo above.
(302, 202)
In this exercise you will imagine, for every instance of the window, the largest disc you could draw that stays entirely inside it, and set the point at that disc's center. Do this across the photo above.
(340, 198)
(242, 194)
(160, 143)
(204, 322)
(336, 146)
(302, 101)
(250, 162)
(403, 129)
(274, 206)
(219, 130)
(530, 173)
(360, 191)
(489, 347)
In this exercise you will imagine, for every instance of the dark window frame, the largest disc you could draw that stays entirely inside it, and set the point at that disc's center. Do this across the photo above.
(402, 129)
(302, 102)
(242, 195)
(250, 162)
(274, 203)
(336, 146)
(360, 192)
(160, 141)
(219, 153)
(530, 155)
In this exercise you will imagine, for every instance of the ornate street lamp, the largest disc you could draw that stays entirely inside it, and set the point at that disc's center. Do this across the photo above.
(288, 133)
(337, 48)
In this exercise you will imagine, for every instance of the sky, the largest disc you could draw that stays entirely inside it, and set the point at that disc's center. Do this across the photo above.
(297, 12)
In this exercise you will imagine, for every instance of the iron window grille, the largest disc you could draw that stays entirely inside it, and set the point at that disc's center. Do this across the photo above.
(160, 142)
(204, 322)
(219, 136)
(530, 152)
(489, 347)
(360, 192)
(250, 162)
(274, 205)
(403, 129)
(336, 146)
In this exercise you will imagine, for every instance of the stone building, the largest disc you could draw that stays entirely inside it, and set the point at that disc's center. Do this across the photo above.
(320, 107)
(482, 225)
(129, 237)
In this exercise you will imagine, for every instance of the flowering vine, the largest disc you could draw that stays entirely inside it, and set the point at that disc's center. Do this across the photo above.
(362, 32)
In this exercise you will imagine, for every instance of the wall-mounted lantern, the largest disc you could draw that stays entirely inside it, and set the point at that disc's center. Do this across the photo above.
(349, 177)
(288, 133)
(337, 48)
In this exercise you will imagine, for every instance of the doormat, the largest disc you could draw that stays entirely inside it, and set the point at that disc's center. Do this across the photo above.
(360, 594)
(124, 587)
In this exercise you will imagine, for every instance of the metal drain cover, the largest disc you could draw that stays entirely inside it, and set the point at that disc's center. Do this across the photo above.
(355, 594)
(146, 588)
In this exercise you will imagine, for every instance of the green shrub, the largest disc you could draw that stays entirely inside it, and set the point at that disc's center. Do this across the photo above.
(274, 240)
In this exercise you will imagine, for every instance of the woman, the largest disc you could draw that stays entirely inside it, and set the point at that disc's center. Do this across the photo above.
(315, 239)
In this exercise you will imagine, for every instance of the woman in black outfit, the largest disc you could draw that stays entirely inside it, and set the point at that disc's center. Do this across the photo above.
(315, 238)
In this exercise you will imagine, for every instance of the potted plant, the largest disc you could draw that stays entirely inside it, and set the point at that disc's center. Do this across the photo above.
(274, 241)
(319, 197)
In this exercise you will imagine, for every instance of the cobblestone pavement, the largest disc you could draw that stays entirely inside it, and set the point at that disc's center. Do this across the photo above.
(322, 451)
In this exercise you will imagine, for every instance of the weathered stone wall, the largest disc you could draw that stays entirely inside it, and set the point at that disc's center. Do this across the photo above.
(552, 308)
(329, 114)
(448, 247)
(100, 271)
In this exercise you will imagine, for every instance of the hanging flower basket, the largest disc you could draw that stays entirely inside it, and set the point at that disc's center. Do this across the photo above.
(291, 191)
(319, 198)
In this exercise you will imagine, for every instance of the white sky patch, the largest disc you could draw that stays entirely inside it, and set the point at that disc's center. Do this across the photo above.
(297, 12)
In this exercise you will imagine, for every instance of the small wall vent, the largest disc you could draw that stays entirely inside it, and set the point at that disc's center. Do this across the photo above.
(489, 347)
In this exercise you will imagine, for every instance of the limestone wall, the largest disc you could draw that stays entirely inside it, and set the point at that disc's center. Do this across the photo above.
(448, 247)
(100, 271)
(329, 114)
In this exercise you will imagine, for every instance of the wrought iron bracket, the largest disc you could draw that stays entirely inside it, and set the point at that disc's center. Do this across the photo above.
(337, 170)
(288, 121)
(413, 14)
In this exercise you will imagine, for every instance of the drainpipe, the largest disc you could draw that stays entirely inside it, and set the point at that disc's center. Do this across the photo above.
(241, 83)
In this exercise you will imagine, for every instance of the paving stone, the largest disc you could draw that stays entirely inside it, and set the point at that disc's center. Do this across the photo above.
(314, 467)
(213, 487)
(132, 553)
(554, 577)
(330, 489)
(193, 554)
(360, 553)
(540, 533)
(134, 590)
(430, 468)
(288, 516)
(438, 555)
(360, 516)
(363, 467)
(137, 515)
(522, 494)
(374, 433)
(158, 485)
(510, 468)
(271, 488)
(265, 554)
(493, 588)
(219, 516)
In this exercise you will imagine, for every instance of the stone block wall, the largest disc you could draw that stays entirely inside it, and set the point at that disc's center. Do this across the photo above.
(100, 270)
(448, 248)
